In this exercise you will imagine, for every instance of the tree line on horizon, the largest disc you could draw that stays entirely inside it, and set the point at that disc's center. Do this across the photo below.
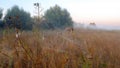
(54, 18)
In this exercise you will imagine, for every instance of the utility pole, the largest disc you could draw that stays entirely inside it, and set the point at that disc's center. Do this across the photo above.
(39, 9)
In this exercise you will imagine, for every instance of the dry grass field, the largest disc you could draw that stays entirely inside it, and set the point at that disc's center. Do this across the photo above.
(60, 49)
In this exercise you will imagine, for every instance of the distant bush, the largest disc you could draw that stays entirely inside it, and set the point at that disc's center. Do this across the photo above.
(46, 26)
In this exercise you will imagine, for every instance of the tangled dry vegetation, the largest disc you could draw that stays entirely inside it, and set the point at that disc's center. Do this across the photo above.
(60, 49)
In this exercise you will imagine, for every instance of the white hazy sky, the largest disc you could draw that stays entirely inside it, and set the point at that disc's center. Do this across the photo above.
(102, 12)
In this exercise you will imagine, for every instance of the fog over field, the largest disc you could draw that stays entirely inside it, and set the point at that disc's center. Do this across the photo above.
(102, 27)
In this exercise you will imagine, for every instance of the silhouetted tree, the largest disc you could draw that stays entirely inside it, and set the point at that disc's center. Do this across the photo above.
(1, 14)
(1, 24)
(1, 21)
(58, 18)
(18, 18)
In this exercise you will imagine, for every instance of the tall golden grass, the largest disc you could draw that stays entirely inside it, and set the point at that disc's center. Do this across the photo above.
(60, 49)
